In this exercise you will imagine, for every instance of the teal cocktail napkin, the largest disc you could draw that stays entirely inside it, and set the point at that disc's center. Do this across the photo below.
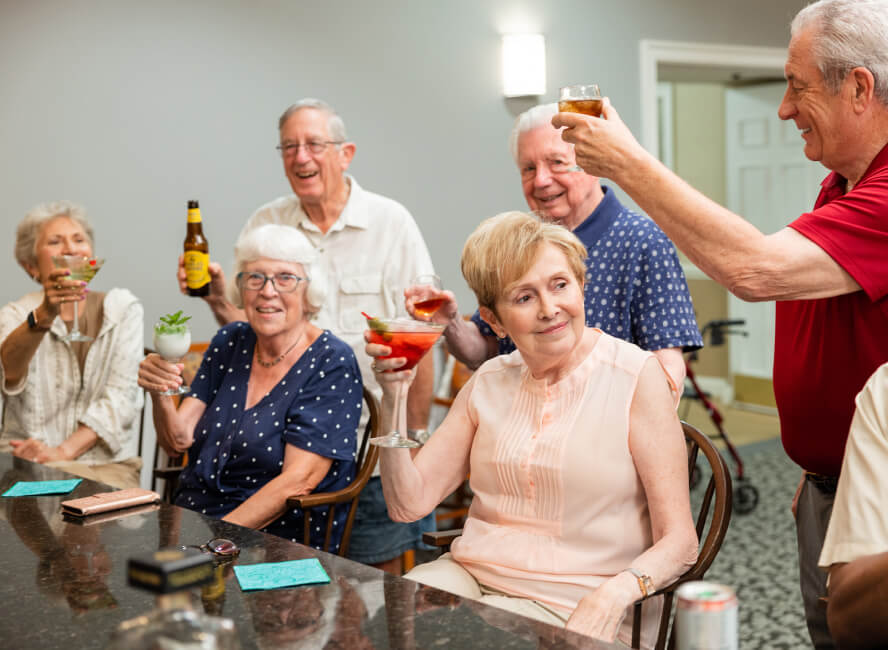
(273, 575)
(37, 488)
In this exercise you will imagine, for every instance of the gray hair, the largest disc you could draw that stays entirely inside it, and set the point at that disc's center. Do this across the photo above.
(28, 231)
(850, 34)
(529, 120)
(286, 244)
(335, 125)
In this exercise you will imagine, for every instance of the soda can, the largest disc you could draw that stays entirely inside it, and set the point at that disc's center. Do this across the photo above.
(705, 617)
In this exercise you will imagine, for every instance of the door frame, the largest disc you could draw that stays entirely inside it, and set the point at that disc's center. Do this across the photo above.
(696, 55)
(654, 52)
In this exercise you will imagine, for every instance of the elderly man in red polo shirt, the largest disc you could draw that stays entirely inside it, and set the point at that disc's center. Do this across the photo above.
(827, 269)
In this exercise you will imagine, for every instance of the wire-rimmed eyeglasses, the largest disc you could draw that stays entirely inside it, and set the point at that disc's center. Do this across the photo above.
(282, 282)
(223, 549)
(289, 149)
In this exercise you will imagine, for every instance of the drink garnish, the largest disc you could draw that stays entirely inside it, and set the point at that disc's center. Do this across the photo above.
(377, 326)
(172, 323)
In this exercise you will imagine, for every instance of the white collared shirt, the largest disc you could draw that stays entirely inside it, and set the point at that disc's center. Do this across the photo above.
(54, 396)
(369, 255)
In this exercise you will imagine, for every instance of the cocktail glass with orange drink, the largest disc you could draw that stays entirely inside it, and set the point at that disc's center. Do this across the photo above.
(410, 339)
(429, 298)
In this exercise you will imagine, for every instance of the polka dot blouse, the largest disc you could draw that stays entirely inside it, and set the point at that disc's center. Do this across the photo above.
(315, 407)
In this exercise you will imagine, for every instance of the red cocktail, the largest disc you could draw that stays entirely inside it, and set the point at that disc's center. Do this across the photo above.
(411, 345)
(410, 339)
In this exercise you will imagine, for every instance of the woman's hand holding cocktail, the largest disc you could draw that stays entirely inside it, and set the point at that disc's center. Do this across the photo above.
(58, 288)
(157, 375)
(391, 380)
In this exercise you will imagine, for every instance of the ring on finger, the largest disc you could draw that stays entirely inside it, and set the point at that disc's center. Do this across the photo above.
(373, 366)
(58, 286)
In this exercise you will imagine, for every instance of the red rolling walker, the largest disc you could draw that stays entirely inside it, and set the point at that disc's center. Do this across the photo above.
(745, 494)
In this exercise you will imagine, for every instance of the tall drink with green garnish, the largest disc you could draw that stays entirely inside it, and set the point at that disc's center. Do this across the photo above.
(172, 338)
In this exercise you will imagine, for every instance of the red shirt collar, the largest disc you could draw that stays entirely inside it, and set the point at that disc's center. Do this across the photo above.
(834, 184)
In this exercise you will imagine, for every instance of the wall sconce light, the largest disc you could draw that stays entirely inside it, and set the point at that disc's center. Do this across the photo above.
(524, 65)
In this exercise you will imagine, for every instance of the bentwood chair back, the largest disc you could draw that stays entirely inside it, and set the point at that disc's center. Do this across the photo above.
(714, 508)
(346, 497)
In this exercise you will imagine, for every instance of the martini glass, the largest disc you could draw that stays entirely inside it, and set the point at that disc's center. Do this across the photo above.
(410, 339)
(430, 288)
(83, 269)
(172, 343)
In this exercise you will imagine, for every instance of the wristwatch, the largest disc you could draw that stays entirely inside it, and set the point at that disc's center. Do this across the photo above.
(33, 325)
(644, 582)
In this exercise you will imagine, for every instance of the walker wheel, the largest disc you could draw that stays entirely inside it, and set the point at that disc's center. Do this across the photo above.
(746, 498)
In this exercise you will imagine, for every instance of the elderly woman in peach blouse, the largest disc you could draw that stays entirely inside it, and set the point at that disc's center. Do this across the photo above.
(576, 456)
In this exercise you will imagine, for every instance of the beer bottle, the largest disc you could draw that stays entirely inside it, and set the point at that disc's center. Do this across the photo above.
(197, 255)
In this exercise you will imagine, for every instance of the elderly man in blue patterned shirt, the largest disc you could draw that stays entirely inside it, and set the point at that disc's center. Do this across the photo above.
(635, 287)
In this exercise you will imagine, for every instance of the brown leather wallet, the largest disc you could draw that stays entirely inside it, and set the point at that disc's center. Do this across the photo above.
(107, 501)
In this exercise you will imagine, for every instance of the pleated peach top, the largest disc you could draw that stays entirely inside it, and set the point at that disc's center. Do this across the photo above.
(558, 506)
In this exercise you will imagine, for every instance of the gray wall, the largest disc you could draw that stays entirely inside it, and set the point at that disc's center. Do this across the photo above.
(132, 108)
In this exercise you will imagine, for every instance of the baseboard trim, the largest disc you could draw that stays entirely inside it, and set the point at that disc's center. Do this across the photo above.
(718, 388)
(755, 408)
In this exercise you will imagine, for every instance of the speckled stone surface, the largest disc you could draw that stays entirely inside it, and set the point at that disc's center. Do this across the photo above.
(63, 586)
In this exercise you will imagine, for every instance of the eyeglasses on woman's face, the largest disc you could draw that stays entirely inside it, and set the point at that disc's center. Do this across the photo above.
(282, 282)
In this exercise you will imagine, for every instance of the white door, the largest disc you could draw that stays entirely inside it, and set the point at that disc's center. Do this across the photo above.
(769, 182)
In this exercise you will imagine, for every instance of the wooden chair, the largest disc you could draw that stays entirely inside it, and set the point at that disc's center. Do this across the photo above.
(715, 507)
(173, 465)
(145, 398)
(348, 496)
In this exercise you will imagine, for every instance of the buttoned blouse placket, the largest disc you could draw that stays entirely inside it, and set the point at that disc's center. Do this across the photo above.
(545, 396)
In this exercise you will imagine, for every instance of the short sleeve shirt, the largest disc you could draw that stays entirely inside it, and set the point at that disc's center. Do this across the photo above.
(635, 287)
(858, 526)
(826, 349)
(315, 407)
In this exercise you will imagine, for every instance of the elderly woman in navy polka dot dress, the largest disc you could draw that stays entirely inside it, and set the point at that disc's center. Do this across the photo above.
(274, 407)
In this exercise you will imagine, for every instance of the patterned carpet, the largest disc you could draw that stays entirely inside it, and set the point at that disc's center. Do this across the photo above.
(759, 557)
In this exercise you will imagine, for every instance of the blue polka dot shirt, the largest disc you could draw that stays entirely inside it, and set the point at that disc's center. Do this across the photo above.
(315, 407)
(635, 288)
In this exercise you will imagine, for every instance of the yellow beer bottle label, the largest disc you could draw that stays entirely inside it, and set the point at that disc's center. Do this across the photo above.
(193, 215)
(197, 268)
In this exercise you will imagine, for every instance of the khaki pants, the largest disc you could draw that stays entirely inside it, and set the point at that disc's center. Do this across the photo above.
(122, 474)
(448, 575)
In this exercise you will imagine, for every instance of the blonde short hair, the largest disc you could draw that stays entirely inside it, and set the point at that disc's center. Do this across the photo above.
(504, 247)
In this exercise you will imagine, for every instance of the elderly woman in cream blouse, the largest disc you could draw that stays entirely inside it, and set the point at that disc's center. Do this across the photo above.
(70, 405)
(577, 460)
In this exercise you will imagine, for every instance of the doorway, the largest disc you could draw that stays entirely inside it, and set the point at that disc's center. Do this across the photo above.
(710, 88)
